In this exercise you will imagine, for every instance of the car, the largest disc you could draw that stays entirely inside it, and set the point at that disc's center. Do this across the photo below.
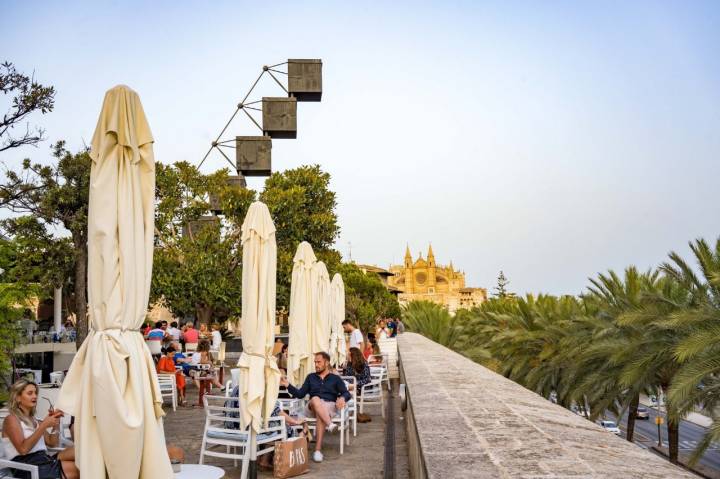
(610, 426)
(642, 413)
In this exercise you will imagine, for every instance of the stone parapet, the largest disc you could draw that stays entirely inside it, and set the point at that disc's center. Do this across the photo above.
(467, 421)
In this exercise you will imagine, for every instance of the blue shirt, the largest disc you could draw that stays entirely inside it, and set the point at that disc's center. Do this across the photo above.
(328, 389)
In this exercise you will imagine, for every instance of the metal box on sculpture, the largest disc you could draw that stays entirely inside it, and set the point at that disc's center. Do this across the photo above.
(305, 79)
(195, 226)
(236, 182)
(253, 155)
(279, 117)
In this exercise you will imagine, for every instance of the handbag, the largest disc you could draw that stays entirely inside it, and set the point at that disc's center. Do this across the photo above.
(291, 458)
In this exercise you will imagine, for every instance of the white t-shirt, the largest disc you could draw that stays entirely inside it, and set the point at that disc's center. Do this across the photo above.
(174, 334)
(356, 339)
(216, 340)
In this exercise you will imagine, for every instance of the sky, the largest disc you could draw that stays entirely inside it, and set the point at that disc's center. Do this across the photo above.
(552, 140)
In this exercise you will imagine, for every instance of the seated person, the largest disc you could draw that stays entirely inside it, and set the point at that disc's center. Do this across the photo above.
(25, 438)
(376, 357)
(328, 394)
(166, 364)
(157, 333)
(358, 368)
(204, 356)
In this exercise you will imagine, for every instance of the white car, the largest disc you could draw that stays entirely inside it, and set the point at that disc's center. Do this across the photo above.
(610, 426)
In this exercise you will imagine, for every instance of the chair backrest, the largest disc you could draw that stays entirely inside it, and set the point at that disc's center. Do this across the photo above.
(166, 382)
(155, 347)
(235, 376)
(191, 347)
(353, 381)
(222, 419)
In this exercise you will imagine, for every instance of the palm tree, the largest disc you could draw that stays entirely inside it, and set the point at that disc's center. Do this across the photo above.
(432, 321)
(697, 383)
(612, 348)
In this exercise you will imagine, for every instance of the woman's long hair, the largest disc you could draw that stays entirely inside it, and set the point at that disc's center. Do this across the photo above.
(14, 404)
(204, 347)
(357, 360)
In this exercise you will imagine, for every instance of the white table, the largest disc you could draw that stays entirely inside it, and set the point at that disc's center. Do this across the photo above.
(199, 471)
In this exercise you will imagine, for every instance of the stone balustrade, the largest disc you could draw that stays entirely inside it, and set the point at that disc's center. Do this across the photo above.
(466, 421)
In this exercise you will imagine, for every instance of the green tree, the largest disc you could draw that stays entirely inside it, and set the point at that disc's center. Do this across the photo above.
(303, 209)
(28, 96)
(199, 272)
(432, 321)
(501, 291)
(366, 297)
(56, 196)
(696, 385)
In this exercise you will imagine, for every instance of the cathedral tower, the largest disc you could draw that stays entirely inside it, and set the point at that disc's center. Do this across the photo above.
(432, 268)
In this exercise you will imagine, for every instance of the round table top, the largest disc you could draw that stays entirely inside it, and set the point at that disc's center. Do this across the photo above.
(199, 471)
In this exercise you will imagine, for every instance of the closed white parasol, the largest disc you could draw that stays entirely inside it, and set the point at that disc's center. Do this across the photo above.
(300, 354)
(111, 387)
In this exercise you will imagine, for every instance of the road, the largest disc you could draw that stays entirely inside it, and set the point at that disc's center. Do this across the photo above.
(690, 435)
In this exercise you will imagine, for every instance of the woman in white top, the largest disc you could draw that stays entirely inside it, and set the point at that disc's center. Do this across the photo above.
(25, 438)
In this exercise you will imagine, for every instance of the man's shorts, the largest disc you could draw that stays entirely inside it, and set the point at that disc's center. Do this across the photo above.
(328, 405)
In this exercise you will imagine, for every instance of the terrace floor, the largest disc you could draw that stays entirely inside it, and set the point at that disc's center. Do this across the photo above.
(363, 458)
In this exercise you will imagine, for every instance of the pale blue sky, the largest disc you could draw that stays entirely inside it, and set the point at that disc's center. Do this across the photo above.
(551, 139)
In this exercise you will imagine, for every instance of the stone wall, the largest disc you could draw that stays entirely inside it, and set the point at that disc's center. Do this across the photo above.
(467, 421)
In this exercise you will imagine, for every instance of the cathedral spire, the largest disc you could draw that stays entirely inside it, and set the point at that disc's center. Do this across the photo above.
(431, 257)
(408, 257)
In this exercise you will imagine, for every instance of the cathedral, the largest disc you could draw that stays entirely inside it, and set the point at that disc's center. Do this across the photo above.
(423, 279)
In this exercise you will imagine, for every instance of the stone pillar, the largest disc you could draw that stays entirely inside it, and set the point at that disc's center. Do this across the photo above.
(57, 316)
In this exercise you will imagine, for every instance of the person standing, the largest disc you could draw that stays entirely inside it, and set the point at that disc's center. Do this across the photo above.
(356, 336)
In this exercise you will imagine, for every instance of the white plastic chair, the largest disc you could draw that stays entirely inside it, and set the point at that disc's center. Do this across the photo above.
(168, 388)
(343, 422)
(352, 403)
(222, 440)
(372, 393)
(381, 372)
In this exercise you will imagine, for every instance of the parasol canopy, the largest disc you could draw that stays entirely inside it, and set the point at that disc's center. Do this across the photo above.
(338, 348)
(300, 354)
(321, 313)
(111, 387)
(259, 374)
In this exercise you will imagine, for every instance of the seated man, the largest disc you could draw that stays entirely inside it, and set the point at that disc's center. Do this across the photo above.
(328, 395)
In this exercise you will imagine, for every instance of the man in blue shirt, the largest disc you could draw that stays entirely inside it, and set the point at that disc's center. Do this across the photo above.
(328, 395)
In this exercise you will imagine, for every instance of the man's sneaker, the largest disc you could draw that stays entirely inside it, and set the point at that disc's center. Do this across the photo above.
(317, 456)
(332, 427)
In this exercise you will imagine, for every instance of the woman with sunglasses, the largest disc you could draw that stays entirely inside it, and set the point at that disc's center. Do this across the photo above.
(25, 438)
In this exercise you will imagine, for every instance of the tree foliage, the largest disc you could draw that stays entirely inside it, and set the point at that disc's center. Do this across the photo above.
(28, 96)
(53, 197)
(201, 273)
(366, 297)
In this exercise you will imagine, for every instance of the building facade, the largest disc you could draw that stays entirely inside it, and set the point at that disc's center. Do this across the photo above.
(423, 279)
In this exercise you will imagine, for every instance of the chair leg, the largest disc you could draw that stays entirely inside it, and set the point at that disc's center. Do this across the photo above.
(245, 464)
(342, 442)
(355, 423)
